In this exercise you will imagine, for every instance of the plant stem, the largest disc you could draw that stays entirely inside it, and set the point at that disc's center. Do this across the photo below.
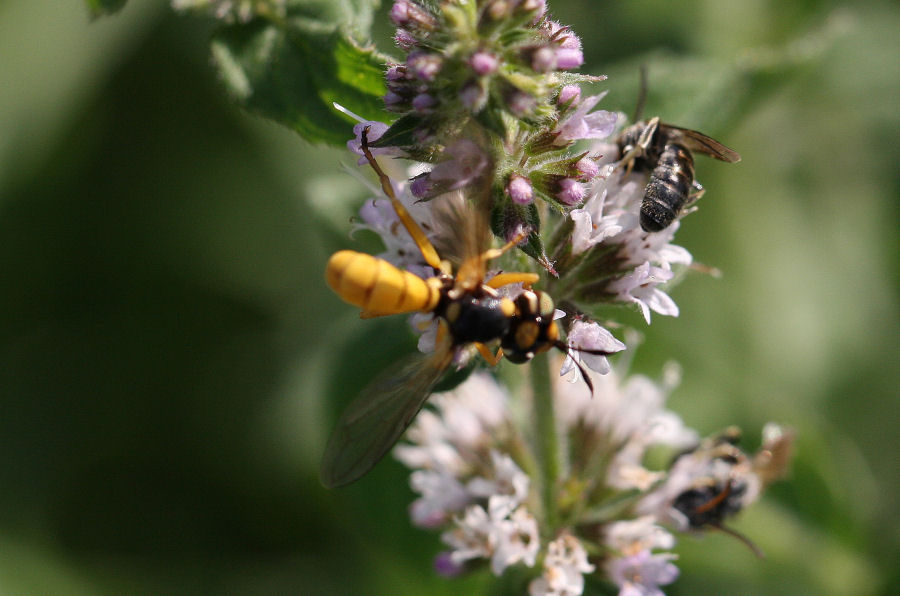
(546, 438)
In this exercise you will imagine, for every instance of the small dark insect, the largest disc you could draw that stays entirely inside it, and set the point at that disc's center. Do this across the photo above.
(665, 150)
(712, 499)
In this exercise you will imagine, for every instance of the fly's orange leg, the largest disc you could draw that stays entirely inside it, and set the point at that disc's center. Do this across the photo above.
(502, 279)
(418, 236)
(489, 357)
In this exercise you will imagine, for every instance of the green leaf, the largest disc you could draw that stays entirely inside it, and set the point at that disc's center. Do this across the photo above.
(400, 133)
(99, 8)
(293, 73)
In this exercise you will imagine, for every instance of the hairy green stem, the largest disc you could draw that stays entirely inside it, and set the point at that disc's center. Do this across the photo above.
(546, 438)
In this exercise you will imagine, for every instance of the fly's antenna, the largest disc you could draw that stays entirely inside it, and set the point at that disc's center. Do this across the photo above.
(642, 94)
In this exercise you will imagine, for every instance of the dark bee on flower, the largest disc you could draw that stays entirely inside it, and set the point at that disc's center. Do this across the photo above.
(725, 479)
(666, 151)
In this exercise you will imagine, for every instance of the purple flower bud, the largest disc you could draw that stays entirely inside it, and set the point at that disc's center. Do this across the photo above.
(586, 168)
(567, 58)
(519, 189)
(473, 96)
(570, 191)
(543, 59)
(424, 65)
(538, 7)
(400, 12)
(405, 40)
(395, 73)
(569, 96)
(420, 186)
(520, 103)
(483, 63)
(445, 565)
(423, 102)
(411, 15)
(562, 35)
(392, 99)
(498, 9)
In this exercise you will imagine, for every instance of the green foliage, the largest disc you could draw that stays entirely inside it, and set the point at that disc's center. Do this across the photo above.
(103, 7)
(293, 75)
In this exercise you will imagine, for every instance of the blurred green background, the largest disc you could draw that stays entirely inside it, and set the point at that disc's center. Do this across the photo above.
(171, 360)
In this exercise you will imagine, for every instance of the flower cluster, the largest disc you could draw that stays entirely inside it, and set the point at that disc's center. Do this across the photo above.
(562, 478)
(485, 95)
(233, 11)
(470, 453)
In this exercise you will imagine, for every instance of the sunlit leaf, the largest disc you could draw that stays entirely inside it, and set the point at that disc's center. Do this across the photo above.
(294, 76)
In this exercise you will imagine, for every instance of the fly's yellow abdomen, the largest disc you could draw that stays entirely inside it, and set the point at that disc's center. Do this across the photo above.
(376, 286)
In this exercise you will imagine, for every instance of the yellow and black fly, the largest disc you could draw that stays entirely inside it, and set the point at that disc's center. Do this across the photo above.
(470, 312)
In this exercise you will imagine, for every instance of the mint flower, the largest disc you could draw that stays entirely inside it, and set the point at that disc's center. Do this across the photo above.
(565, 566)
(642, 573)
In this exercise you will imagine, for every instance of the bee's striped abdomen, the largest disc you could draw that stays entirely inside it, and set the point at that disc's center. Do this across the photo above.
(376, 286)
(668, 189)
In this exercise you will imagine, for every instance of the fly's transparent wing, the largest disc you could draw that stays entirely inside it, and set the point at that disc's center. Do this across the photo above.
(699, 142)
(376, 419)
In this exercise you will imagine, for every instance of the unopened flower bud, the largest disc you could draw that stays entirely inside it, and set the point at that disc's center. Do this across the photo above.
(520, 103)
(473, 96)
(411, 15)
(395, 73)
(405, 40)
(483, 63)
(570, 191)
(586, 169)
(424, 65)
(568, 58)
(519, 189)
(445, 565)
(498, 10)
(392, 99)
(569, 96)
(420, 186)
(423, 102)
(543, 59)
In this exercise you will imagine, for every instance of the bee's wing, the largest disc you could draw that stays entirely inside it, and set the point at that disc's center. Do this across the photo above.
(376, 419)
(699, 142)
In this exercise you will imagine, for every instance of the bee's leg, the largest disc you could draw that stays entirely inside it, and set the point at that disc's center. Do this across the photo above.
(418, 236)
(697, 191)
(489, 357)
(502, 279)
(640, 147)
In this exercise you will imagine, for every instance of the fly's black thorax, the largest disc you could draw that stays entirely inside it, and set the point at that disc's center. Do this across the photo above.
(532, 329)
(484, 317)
